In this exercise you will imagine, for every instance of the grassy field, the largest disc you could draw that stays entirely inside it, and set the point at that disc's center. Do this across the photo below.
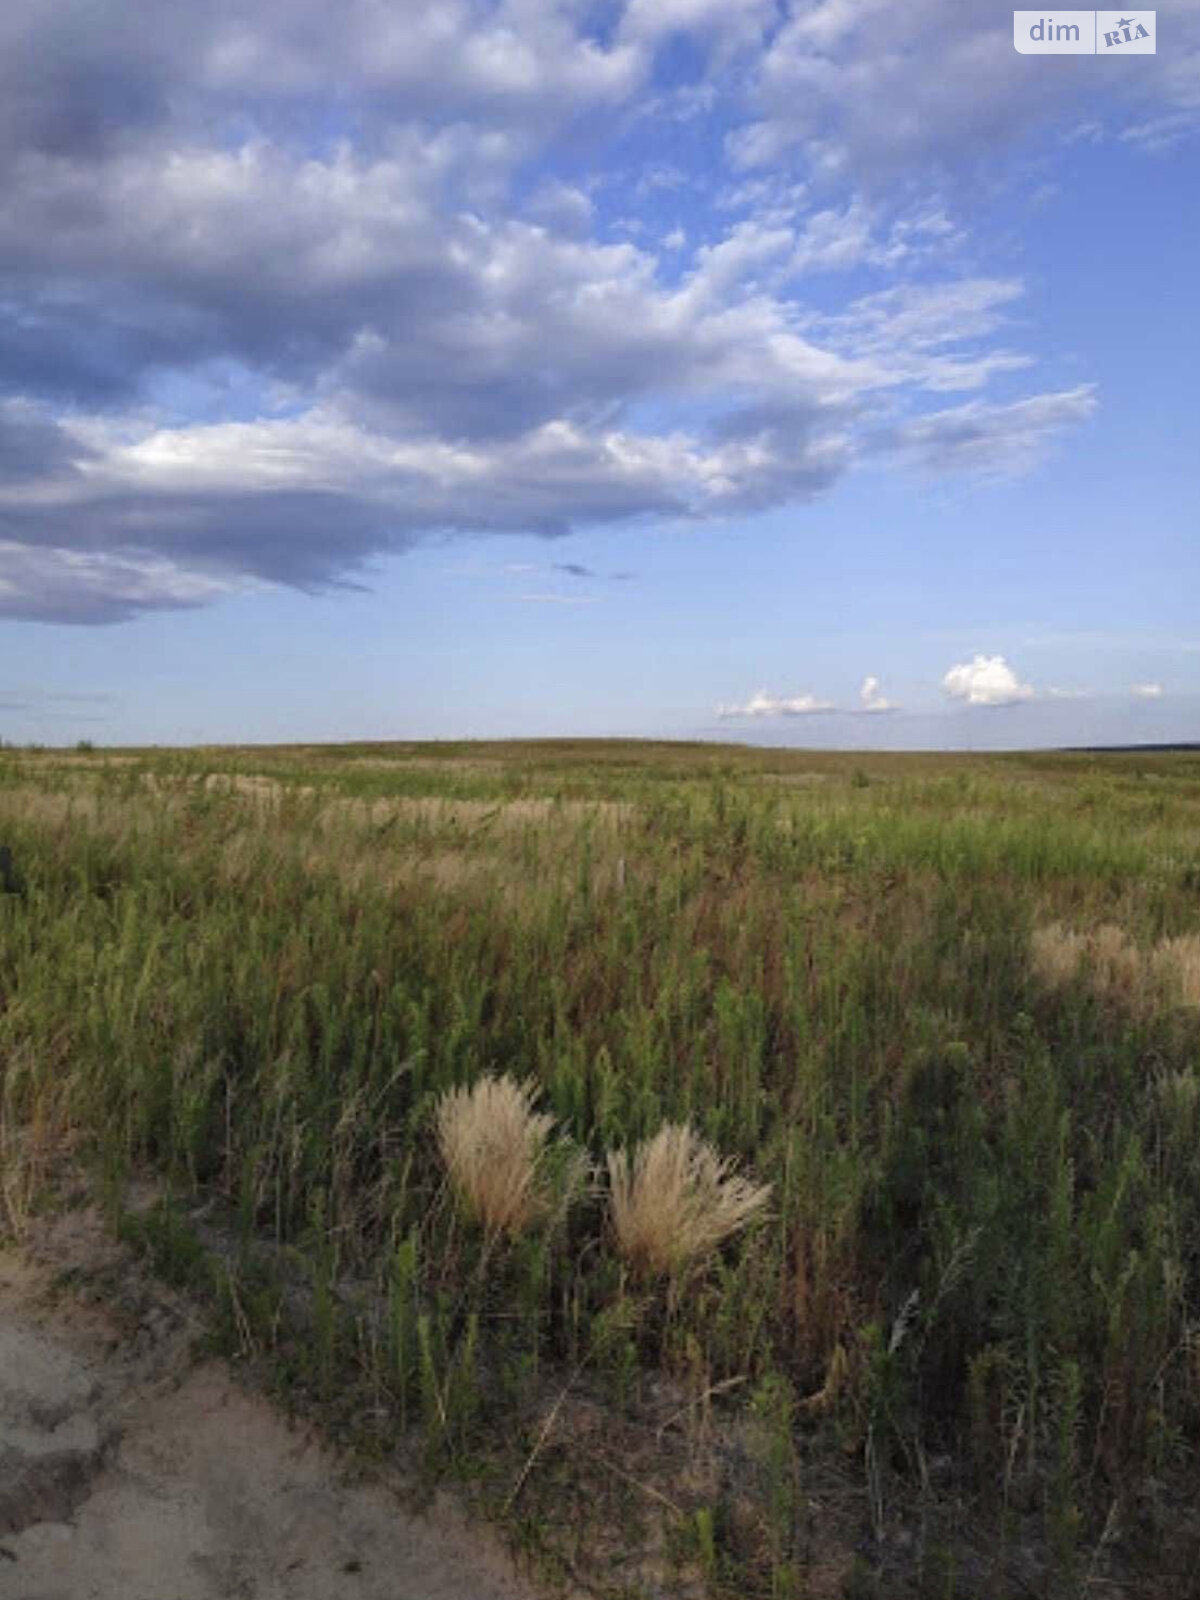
(947, 1008)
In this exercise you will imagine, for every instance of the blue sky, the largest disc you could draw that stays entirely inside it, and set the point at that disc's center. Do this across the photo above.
(808, 374)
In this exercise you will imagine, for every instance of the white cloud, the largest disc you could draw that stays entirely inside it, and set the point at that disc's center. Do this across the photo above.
(423, 325)
(562, 206)
(869, 88)
(928, 331)
(646, 20)
(529, 58)
(986, 681)
(1146, 691)
(990, 440)
(871, 697)
(834, 240)
(764, 704)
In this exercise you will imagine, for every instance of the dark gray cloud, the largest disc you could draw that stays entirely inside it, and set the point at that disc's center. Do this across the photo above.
(34, 446)
(576, 569)
(45, 584)
(76, 78)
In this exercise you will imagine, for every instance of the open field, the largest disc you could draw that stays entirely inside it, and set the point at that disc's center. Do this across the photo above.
(946, 1007)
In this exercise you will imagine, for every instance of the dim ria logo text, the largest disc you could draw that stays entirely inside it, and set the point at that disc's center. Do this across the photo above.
(1084, 33)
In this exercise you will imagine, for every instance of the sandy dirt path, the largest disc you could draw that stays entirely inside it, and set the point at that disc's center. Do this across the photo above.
(128, 1471)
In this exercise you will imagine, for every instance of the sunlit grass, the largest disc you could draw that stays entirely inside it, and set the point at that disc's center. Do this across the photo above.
(387, 1004)
(674, 1199)
(501, 1157)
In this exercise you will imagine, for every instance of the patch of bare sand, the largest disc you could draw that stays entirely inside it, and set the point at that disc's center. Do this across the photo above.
(128, 1471)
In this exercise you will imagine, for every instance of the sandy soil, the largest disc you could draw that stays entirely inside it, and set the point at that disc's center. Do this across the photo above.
(130, 1471)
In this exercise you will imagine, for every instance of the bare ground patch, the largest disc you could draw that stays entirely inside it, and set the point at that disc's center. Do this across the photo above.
(131, 1470)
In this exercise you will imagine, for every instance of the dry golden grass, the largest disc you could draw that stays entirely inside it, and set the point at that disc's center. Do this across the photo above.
(1179, 962)
(675, 1201)
(1115, 969)
(506, 1166)
(1106, 959)
(440, 811)
(1057, 954)
(75, 810)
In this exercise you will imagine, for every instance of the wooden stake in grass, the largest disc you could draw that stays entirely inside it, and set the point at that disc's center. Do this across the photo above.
(508, 1171)
(677, 1199)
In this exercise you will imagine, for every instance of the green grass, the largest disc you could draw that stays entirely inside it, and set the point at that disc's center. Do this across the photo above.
(254, 971)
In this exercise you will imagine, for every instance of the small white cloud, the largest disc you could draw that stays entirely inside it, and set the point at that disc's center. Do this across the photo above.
(986, 681)
(561, 206)
(1146, 691)
(1055, 693)
(763, 704)
(872, 699)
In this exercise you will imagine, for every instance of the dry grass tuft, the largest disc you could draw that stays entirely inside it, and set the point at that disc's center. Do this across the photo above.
(1057, 954)
(502, 1159)
(1106, 958)
(677, 1199)
(1178, 961)
(1115, 969)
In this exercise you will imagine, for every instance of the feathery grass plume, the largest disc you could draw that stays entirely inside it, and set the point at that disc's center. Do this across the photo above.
(1110, 963)
(1057, 954)
(1115, 969)
(677, 1199)
(1178, 962)
(507, 1169)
